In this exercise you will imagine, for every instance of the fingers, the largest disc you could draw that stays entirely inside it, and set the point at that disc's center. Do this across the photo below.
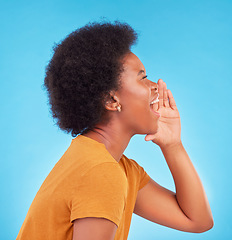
(171, 100)
(161, 94)
(166, 98)
(165, 93)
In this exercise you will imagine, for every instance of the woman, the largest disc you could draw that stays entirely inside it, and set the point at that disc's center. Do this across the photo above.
(98, 89)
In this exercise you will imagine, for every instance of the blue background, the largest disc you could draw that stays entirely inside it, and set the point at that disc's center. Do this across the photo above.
(186, 43)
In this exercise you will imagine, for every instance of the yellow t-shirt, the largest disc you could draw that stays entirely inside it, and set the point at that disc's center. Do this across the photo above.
(86, 182)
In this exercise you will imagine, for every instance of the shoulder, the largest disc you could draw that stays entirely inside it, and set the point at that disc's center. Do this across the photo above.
(105, 180)
(130, 163)
(105, 168)
(85, 154)
(135, 172)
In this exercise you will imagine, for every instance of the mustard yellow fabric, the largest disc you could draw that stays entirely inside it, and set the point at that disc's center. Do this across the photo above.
(86, 182)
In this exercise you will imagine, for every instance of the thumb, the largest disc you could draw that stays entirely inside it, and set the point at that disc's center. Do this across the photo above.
(149, 137)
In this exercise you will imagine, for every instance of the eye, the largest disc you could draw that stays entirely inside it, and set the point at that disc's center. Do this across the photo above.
(144, 77)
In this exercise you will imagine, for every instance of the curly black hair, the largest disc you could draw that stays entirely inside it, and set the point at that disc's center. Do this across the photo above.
(84, 68)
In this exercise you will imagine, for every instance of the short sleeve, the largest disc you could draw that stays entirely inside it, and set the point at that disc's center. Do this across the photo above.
(143, 176)
(101, 193)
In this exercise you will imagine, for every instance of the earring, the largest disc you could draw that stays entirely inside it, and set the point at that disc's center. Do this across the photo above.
(118, 108)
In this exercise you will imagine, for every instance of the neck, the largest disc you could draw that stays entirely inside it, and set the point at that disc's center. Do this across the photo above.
(113, 137)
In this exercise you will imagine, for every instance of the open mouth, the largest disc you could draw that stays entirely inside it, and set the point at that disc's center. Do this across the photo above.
(154, 104)
(155, 100)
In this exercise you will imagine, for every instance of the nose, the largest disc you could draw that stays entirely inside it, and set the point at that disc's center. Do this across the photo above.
(154, 86)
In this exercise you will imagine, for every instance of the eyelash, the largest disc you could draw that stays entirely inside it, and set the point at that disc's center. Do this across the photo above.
(144, 77)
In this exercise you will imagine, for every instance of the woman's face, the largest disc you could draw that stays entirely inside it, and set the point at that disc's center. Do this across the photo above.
(135, 96)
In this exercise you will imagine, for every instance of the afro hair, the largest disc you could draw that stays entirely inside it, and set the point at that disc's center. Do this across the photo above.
(84, 68)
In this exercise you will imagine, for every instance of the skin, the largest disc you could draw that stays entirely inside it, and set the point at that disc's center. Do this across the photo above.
(187, 209)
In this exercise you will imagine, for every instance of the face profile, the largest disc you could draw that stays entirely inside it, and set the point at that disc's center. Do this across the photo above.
(136, 95)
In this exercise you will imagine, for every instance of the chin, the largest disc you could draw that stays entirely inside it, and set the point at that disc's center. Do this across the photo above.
(154, 130)
(148, 127)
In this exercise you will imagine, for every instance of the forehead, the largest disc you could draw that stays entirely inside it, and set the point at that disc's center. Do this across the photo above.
(132, 64)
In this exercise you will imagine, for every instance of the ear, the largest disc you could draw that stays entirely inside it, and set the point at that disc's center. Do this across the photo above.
(112, 102)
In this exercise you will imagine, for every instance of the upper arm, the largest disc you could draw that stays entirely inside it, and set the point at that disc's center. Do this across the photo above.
(159, 205)
(91, 228)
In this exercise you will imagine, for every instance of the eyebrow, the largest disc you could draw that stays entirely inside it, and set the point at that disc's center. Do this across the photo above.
(140, 72)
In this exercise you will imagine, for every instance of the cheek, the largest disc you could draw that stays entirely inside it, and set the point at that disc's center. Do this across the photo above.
(136, 104)
(135, 96)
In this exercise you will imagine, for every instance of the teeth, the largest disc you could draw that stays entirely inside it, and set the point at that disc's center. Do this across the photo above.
(155, 101)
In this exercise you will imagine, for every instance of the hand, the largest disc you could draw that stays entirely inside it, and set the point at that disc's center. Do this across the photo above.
(169, 131)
